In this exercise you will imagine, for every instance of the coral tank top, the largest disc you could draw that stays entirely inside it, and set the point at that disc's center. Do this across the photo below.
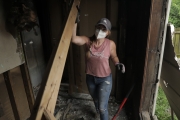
(98, 62)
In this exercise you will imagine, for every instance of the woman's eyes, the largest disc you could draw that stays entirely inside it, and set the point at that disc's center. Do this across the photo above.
(103, 29)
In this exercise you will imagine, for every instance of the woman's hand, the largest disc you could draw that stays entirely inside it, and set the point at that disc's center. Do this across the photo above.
(121, 67)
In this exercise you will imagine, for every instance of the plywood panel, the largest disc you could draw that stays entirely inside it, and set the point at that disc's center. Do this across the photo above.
(10, 45)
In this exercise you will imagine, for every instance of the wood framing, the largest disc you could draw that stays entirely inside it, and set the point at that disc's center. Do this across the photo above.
(11, 95)
(47, 99)
(27, 85)
(156, 27)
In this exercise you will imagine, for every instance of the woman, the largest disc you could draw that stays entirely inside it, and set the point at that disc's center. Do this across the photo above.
(98, 50)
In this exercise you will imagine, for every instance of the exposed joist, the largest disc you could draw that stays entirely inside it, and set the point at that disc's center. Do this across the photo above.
(47, 99)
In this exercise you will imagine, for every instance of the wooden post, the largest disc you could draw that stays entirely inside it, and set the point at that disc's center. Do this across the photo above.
(152, 54)
(11, 95)
(27, 86)
(47, 99)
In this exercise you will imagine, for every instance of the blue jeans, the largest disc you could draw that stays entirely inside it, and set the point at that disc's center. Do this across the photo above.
(100, 89)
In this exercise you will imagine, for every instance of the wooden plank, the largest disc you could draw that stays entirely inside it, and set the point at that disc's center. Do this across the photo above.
(27, 86)
(11, 95)
(52, 101)
(145, 115)
(52, 82)
(152, 55)
(48, 115)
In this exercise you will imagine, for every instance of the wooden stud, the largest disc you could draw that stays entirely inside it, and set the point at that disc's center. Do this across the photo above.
(152, 56)
(27, 86)
(11, 95)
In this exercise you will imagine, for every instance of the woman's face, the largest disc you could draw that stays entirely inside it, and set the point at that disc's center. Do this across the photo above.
(101, 31)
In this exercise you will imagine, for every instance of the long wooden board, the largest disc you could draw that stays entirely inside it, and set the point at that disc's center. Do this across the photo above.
(49, 95)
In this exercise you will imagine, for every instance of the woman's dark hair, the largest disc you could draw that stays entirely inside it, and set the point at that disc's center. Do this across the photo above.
(93, 38)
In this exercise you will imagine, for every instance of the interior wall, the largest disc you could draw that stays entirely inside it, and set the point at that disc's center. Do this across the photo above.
(91, 12)
(134, 22)
(58, 11)
(6, 112)
(11, 51)
(34, 54)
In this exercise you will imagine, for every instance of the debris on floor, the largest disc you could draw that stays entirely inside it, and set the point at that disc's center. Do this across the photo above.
(79, 106)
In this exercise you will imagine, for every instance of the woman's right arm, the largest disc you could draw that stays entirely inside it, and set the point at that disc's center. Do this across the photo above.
(78, 40)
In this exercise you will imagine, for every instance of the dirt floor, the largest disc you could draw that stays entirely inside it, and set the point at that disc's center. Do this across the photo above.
(81, 107)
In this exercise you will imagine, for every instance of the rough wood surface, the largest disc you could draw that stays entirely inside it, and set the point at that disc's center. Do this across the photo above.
(48, 115)
(145, 115)
(152, 55)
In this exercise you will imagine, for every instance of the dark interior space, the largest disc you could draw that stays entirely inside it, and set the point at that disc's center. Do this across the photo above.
(132, 27)
(130, 31)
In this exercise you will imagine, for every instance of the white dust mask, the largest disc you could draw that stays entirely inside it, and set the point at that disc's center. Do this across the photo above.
(100, 34)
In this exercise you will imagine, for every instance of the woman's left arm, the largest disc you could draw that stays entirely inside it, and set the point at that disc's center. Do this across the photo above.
(115, 58)
(113, 53)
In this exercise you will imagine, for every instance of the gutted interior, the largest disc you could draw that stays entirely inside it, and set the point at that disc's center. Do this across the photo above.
(137, 29)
